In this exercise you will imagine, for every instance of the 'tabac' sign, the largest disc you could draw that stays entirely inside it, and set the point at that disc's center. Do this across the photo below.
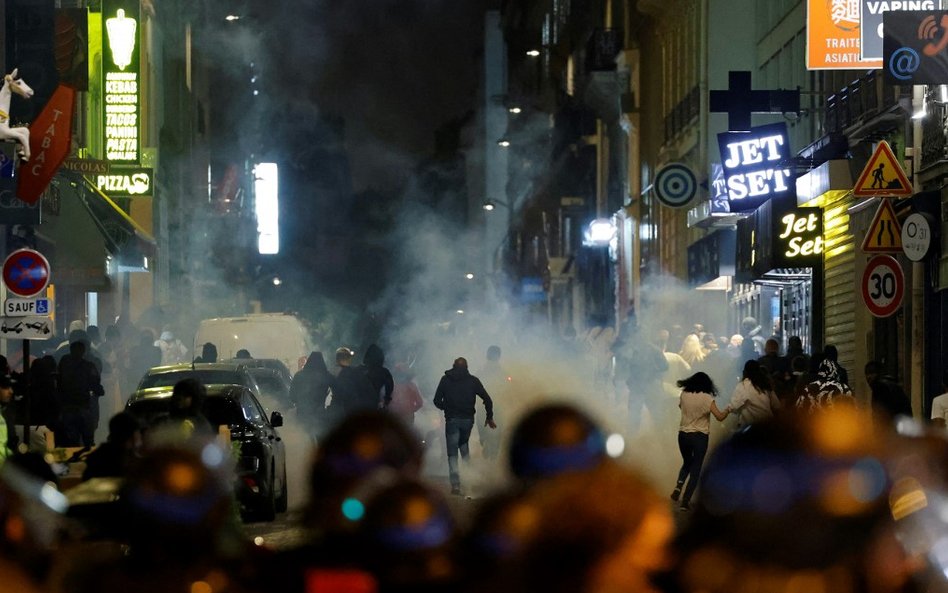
(915, 47)
(755, 166)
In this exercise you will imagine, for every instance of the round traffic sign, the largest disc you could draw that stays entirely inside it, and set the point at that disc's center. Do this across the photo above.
(916, 236)
(26, 272)
(675, 185)
(883, 285)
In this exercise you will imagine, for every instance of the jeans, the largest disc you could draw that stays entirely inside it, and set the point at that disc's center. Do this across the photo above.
(457, 432)
(693, 447)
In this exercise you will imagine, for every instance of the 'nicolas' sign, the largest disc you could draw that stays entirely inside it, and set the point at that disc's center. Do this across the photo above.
(756, 166)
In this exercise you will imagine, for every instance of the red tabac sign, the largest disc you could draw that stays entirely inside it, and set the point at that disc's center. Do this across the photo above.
(50, 138)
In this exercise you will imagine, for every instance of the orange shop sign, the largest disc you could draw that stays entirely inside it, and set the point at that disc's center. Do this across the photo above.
(832, 36)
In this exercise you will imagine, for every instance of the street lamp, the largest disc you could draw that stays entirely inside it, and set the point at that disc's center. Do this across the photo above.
(514, 110)
(231, 18)
(489, 205)
(469, 275)
(533, 53)
(503, 143)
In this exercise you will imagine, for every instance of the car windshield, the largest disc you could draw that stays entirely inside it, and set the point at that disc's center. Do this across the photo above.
(208, 377)
(270, 384)
(217, 410)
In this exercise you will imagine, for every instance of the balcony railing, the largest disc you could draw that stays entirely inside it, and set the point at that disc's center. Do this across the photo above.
(683, 114)
(934, 134)
(858, 102)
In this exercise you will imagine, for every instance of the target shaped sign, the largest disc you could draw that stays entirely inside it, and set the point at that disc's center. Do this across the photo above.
(883, 285)
(675, 185)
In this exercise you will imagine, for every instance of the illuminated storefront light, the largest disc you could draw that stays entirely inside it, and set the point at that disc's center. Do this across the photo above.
(122, 91)
(267, 207)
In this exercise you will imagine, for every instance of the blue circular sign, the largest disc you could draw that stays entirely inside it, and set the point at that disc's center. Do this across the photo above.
(26, 272)
(903, 63)
(675, 185)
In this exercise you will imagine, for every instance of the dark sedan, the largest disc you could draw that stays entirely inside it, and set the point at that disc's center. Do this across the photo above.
(259, 450)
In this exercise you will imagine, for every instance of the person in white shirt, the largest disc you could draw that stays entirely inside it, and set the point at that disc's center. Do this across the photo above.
(173, 350)
(940, 404)
(677, 369)
(754, 399)
(697, 404)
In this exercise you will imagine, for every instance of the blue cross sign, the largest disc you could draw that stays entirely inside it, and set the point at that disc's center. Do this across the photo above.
(26, 272)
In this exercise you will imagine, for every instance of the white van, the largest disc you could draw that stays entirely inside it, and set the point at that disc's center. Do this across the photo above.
(265, 335)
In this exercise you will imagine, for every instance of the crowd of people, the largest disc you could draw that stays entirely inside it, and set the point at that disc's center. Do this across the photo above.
(807, 492)
(75, 381)
(800, 502)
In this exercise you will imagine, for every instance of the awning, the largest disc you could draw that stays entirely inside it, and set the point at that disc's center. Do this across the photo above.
(131, 246)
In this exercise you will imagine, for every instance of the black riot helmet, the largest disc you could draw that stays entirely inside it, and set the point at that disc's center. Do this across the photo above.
(31, 510)
(361, 444)
(406, 531)
(553, 439)
(179, 502)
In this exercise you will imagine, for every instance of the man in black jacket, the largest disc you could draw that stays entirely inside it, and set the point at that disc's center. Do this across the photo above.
(352, 390)
(456, 395)
(79, 387)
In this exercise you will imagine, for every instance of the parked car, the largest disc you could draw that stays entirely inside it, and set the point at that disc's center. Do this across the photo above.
(212, 373)
(273, 364)
(261, 485)
(274, 387)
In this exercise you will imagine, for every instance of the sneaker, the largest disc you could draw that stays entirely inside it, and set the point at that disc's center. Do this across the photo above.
(685, 507)
(676, 494)
(456, 490)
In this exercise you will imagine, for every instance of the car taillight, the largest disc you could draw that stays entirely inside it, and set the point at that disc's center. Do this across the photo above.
(252, 484)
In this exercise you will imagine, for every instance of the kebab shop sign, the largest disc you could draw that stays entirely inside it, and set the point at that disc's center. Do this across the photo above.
(755, 166)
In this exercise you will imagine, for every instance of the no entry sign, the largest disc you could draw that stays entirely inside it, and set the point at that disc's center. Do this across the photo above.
(26, 272)
(883, 285)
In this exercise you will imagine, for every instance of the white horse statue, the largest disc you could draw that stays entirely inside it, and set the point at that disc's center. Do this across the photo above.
(12, 84)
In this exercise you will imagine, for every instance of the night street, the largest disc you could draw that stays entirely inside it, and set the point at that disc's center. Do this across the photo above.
(391, 296)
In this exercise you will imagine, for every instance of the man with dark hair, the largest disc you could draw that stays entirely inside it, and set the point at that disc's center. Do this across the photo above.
(831, 353)
(456, 395)
(185, 417)
(351, 389)
(373, 365)
(79, 384)
(208, 353)
(112, 458)
(888, 397)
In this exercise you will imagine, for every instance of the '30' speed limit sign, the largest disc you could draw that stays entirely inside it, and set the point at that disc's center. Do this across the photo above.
(883, 285)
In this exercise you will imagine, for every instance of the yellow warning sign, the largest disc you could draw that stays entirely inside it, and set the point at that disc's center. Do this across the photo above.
(885, 232)
(883, 176)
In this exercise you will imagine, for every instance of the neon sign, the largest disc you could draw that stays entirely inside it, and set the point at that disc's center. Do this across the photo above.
(799, 238)
(122, 89)
(125, 183)
(755, 166)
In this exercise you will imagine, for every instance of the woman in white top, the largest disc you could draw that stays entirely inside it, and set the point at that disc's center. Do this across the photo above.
(697, 404)
(754, 399)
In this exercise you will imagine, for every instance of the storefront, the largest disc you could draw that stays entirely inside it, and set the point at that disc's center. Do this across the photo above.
(834, 288)
(711, 272)
(778, 250)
